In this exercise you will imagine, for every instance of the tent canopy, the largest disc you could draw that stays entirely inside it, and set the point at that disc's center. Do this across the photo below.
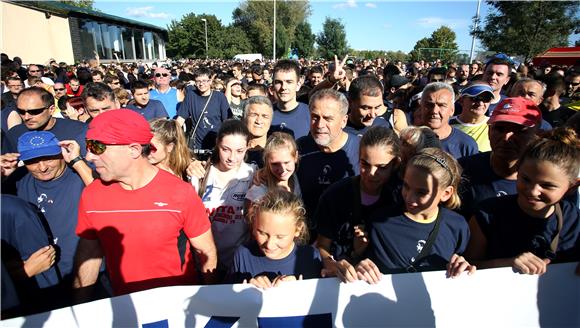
(558, 56)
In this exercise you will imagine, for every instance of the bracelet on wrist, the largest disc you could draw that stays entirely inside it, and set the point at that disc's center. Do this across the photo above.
(75, 160)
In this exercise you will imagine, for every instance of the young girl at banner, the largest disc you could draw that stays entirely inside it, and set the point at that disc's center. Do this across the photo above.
(278, 251)
(425, 234)
(280, 164)
(536, 227)
(344, 208)
(223, 190)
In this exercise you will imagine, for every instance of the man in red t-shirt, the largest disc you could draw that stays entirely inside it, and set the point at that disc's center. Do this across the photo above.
(134, 213)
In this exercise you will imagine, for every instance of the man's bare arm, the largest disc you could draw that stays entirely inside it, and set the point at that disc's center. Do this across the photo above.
(207, 252)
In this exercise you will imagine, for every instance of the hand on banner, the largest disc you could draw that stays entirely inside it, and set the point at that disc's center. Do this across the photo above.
(263, 282)
(343, 270)
(457, 265)
(528, 263)
(368, 271)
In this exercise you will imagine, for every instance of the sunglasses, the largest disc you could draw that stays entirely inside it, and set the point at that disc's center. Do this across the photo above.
(59, 89)
(32, 112)
(161, 74)
(574, 83)
(96, 147)
(485, 99)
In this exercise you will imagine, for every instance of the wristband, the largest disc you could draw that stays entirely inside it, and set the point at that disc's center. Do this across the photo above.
(75, 160)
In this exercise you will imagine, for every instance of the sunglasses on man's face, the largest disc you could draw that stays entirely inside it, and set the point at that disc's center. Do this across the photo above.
(96, 147)
(32, 112)
(485, 99)
(59, 89)
(161, 74)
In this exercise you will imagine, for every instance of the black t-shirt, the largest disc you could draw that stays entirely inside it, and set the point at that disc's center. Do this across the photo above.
(557, 117)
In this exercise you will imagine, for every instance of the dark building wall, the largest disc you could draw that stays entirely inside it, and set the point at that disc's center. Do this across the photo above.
(75, 35)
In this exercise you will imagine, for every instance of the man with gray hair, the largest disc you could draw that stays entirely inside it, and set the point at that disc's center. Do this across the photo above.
(328, 153)
(257, 117)
(436, 109)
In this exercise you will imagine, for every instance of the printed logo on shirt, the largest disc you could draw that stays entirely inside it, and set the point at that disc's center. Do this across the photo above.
(239, 196)
(160, 204)
(323, 179)
(501, 193)
(420, 244)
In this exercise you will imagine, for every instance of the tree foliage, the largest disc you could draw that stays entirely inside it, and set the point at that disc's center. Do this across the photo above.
(256, 18)
(373, 54)
(332, 39)
(440, 45)
(304, 40)
(87, 4)
(527, 28)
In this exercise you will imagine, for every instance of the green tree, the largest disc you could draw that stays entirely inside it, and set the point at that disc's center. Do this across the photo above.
(87, 4)
(256, 18)
(527, 28)
(304, 40)
(332, 39)
(234, 41)
(187, 37)
(440, 45)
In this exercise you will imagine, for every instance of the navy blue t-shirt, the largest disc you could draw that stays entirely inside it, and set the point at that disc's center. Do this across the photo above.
(395, 240)
(154, 109)
(58, 200)
(250, 262)
(339, 210)
(510, 232)
(459, 144)
(492, 105)
(216, 112)
(25, 231)
(295, 122)
(63, 129)
(479, 182)
(359, 131)
(255, 156)
(318, 170)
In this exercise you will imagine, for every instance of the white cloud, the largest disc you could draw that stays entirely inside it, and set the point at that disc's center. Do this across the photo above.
(346, 4)
(371, 5)
(146, 12)
(431, 22)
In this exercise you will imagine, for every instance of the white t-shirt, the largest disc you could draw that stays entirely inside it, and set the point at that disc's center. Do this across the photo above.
(225, 209)
(255, 193)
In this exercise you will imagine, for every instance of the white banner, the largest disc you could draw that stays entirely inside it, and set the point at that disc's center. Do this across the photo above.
(490, 298)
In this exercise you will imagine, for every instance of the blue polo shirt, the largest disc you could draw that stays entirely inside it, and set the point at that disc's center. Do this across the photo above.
(168, 99)
(154, 109)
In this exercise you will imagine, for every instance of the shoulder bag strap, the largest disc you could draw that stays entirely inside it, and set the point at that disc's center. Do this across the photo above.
(427, 248)
(203, 111)
(556, 239)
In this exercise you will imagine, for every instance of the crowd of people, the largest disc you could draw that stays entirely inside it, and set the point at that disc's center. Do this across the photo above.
(122, 177)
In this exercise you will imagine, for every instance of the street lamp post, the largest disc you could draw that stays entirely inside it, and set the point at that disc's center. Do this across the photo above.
(206, 52)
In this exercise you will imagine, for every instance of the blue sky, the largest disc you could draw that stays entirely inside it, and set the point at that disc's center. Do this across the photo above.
(372, 25)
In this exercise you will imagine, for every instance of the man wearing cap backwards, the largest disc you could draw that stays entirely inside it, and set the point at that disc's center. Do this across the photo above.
(474, 101)
(56, 177)
(134, 213)
(512, 126)
(497, 74)
(436, 108)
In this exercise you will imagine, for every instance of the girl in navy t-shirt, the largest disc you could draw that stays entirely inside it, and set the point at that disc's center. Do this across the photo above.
(276, 252)
(536, 227)
(423, 235)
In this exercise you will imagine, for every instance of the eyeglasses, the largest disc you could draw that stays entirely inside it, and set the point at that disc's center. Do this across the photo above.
(201, 81)
(59, 89)
(96, 147)
(161, 74)
(32, 112)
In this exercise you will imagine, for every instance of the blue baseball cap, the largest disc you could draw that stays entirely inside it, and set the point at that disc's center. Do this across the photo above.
(35, 144)
(475, 90)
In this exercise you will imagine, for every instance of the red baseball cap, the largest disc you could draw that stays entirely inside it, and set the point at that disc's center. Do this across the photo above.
(120, 127)
(517, 110)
